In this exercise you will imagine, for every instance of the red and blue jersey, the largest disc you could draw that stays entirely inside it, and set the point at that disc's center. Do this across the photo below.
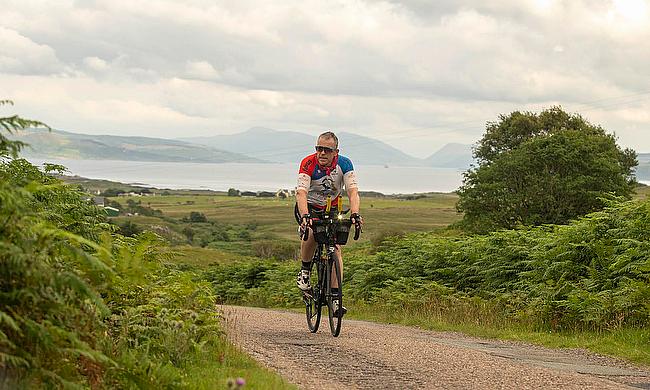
(319, 182)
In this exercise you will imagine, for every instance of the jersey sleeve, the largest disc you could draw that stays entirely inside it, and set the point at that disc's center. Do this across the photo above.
(345, 164)
(349, 177)
(350, 180)
(304, 181)
(304, 173)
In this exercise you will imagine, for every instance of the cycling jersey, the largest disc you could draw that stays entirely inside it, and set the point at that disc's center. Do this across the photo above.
(320, 182)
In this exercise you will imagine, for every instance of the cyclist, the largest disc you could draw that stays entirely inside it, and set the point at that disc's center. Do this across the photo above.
(324, 174)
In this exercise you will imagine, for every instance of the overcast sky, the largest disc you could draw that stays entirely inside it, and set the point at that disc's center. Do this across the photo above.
(416, 74)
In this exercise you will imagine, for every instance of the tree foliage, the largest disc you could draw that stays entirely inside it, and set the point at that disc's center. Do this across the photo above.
(11, 124)
(542, 168)
(591, 274)
(81, 306)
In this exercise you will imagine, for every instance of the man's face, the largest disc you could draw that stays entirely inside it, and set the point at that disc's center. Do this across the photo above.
(326, 151)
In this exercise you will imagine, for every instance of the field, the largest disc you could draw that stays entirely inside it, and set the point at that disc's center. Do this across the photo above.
(244, 277)
(275, 216)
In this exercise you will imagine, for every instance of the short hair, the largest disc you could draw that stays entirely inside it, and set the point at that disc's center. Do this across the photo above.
(329, 134)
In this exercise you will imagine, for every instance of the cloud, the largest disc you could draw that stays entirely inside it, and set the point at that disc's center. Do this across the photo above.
(201, 70)
(21, 55)
(95, 64)
(412, 72)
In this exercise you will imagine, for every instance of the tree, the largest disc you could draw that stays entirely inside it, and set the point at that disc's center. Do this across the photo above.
(542, 168)
(12, 124)
(196, 216)
(189, 233)
(129, 229)
(112, 192)
(233, 192)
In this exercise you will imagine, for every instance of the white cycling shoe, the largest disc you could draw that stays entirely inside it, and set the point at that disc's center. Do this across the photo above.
(303, 280)
(339, 311)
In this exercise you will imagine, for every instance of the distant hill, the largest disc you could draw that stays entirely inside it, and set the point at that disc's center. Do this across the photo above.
(263, 143)
(257, 144)
(292, 146)
(61, 144)
(452, 155)
(643, 169)
(365, 150)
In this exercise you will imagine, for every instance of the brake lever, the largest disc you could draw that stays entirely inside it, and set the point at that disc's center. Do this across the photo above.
(304, 233)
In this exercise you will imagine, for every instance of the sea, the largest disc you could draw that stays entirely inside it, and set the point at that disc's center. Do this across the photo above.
(254, 177)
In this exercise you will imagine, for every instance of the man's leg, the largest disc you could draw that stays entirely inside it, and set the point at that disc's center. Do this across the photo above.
(307, 249)
(339, 255)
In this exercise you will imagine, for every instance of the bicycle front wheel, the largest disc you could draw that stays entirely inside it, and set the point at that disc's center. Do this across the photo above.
(335, 310)
(313, 299)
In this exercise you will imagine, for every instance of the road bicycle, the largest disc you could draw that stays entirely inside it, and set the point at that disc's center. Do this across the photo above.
(330, 229)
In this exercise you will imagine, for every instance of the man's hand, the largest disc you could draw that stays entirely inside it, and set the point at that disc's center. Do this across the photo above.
(357, 220)
(305, 220)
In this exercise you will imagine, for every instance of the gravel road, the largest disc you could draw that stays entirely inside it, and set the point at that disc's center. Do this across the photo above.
(379, 356)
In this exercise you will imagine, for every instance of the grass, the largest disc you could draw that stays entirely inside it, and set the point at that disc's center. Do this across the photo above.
(275, 216)
(203, 258)
(629, 344)
(642, 192)
(230, 363)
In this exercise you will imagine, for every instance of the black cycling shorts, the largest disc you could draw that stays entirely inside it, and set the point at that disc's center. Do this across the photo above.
(296, 212)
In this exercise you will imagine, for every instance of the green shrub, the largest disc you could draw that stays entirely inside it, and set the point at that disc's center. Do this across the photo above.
(275, 249)
(81, 306)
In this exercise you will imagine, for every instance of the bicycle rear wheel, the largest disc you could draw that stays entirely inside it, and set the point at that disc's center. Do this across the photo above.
(334, 271)
(313, 300)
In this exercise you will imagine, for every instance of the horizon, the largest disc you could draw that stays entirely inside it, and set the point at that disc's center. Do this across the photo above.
(413, 75)
(182, 139)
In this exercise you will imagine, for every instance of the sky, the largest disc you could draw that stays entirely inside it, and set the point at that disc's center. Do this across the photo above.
(416, 74)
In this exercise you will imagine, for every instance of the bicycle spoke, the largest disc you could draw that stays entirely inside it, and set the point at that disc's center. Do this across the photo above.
(313, 298)
(335, 314)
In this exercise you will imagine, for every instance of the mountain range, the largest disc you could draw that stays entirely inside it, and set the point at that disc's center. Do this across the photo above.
(62, 144)
(292, 146)
(257, 144)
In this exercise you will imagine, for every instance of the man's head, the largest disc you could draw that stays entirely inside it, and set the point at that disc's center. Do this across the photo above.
(326, 148)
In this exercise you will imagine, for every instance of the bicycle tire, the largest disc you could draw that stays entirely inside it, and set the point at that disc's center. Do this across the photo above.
(334, 320)
(314, 302)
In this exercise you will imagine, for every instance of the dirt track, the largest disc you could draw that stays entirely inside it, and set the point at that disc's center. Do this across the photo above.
(378, 356)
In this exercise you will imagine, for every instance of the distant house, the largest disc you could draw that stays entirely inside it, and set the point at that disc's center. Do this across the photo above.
(265, 194)
(99, 200)
(111, 211)
(282, 194)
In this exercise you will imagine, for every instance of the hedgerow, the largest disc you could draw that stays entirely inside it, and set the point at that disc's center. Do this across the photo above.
(82, 306)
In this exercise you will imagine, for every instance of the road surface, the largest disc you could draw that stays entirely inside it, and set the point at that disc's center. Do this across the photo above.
(381, 356)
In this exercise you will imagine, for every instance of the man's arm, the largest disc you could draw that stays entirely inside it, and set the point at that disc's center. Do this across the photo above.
(301, 199)
(355, 201)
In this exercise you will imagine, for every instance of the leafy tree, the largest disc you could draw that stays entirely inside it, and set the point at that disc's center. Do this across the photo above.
(80, 306)
(542, 168)
(233, 192)
(189, 233)
(11, 124)
(196, 216)
(130, 229)
(112, 192)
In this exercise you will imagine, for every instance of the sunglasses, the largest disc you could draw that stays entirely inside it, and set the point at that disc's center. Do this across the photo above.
(324, 149)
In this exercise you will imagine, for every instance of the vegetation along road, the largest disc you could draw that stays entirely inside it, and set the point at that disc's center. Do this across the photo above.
(371, 356)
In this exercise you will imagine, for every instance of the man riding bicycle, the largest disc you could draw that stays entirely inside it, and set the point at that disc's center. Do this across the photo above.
(323, 174)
